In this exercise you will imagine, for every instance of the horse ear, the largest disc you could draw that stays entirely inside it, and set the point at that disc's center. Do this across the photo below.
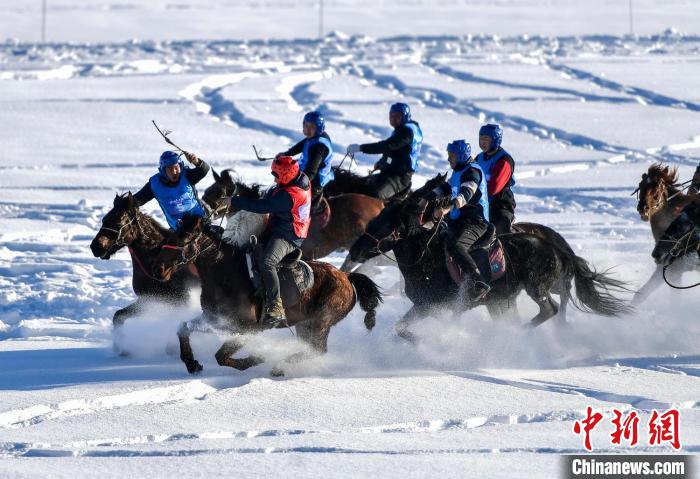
(217, 177)
(130, 199)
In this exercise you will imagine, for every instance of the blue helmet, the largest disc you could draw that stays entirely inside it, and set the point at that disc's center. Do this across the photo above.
(493, 131)
(169, 158)
(462, 149)
(316, 118)
(403, 109)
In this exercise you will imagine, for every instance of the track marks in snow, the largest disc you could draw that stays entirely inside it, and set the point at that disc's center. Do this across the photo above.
(185, 392)
(641, 95)
(88, 448)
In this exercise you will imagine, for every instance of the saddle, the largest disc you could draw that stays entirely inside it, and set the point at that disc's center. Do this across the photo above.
(296, 276)
(488, 255)
(321, 214)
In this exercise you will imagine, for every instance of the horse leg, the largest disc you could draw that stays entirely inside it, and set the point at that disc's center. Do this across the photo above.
(183, 335)
(118, 320)
(231, 347)
(548, 308)
(315, 337)
(564, 297)
(650, 286)
(401, 327)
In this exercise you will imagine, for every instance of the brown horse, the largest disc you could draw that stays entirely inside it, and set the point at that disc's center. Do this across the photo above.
(350, 214)
(660, 202)
(228, 298)
(125, 225)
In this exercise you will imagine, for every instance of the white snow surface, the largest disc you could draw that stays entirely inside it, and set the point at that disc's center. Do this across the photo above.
(585, 107)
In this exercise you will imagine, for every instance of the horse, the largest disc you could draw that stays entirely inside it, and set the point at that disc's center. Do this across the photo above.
(125, 225)
(229, 302)
(660, 203)
(680, 239)
(349, 215)
(534, 264)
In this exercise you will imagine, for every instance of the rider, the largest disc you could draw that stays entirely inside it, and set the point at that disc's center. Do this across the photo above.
(288, 204)
(498, 166)
(691, 212)
(467, 214)
(173, 187)
(316, 153)
(399, 154)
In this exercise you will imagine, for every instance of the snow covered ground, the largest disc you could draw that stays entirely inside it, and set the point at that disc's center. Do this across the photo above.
(586, 109)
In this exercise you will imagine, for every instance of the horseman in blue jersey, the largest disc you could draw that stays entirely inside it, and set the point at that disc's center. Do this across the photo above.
(498, 166)
(289, 205)
(467, 214)
(316, 152)
(399, 154)
(173, 187)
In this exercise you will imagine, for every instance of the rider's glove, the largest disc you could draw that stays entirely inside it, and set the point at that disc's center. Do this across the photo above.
(353, 148)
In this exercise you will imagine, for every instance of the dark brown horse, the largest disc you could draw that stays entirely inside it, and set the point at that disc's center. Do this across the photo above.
(660, 202)
(534, 264)
(350, 214)
(228, 302)
(125, 225)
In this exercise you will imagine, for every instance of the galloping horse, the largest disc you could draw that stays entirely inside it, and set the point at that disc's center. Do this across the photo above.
(534, 264)
(125, 225)
(660, 202)
(350, 214)
(228, 298)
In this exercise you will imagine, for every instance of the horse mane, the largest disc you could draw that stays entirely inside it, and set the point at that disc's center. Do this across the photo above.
(345, 181)
(427, 187)
(667, 174)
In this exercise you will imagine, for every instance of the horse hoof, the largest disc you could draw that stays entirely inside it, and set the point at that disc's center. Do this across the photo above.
(194, 367)
(277, 372)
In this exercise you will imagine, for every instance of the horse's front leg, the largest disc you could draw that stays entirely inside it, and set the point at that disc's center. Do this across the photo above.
(231, 347)
(649, 287)
(401, 327)
(118, 320)
(183, 335)
(316, 336)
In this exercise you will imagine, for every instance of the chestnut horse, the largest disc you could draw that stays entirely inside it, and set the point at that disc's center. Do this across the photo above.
(660, 202)
(228, 298)
(350, 214)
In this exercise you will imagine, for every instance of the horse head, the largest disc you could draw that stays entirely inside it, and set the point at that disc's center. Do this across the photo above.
(216, 195)
(119, 227)
(181, 247)
(653, 190)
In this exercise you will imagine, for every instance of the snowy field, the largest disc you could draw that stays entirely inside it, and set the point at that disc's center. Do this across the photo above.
(586, 109)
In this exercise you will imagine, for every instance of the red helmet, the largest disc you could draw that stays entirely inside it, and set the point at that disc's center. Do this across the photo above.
(285, 169)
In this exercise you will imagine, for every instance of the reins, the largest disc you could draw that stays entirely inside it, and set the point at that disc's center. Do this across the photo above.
(681, 247)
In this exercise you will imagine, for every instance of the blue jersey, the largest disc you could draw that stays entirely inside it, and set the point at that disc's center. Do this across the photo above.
(415, 144)
(325, 173)
(456, 185)
(487, 165)
(176, 200)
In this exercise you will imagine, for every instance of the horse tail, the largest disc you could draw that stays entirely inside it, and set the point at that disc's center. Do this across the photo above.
(368, 295)
(594, 290)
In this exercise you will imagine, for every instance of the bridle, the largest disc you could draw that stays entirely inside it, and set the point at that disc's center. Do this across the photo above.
(119, 240)
(395, 236)
(184, 259)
